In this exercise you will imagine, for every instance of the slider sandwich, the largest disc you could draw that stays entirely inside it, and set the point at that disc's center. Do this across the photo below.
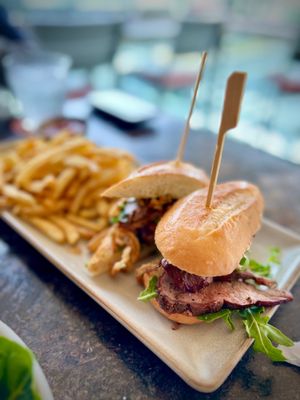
(144, 197)
(201, 249)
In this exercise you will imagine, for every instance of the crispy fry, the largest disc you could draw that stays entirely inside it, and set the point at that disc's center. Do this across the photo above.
(70, 231)
(63, 180)
(94, 226)
(82, 192)
(40, 160)
(85, 233)
(55, 184)
(39, 185)
(80, 162)
(103, 207)
(20, 196)
(88, 213)
(48, 228)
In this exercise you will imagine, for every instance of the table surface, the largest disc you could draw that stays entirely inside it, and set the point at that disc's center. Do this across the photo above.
(88, 355)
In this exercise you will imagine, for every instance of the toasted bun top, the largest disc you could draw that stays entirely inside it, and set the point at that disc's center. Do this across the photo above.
(211, 242)
(160, 179)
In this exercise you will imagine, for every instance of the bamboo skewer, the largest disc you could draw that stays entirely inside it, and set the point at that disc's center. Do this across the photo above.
(230, 116)
(187, 124)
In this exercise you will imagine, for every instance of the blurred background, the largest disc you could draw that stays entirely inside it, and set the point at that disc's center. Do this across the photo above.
(151, 49)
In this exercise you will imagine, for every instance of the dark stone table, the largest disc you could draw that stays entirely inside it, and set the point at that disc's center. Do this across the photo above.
(85, 353)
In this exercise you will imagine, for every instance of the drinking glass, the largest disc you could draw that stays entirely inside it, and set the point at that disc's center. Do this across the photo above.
(38, 80)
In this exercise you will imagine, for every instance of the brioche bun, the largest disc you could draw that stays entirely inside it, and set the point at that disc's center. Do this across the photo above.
(211, 242)
(160, 179)
(176, 317)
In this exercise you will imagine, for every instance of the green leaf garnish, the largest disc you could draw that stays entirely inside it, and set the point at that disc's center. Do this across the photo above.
(264, 334)
(259, 268)
(245, 261)
(114, 220)
(150, 292)
(225, 314)
(257, 327)
(275, 254)
(16, 377)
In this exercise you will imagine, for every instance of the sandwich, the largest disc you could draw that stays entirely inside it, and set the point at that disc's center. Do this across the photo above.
(202, 251)
(143, 198)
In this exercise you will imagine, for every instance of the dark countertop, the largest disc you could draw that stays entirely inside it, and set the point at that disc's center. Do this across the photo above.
(84, 352)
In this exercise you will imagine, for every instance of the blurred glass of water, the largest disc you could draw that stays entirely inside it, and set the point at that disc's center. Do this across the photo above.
(38, 81)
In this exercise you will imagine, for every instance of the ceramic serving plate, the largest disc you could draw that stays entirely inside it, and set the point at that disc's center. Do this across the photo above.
(202, 355)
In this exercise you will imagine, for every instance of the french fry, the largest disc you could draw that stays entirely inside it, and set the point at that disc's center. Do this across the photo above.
(94, 226)
(55, 185)
(40, 160)
(82, 192)
(48, 228)
(88, 213)
(85, 233)
(3, 203)
(20, 196)
(39, 185)
(70, 231)
(79, 162)
(64, 179)
(103, 207)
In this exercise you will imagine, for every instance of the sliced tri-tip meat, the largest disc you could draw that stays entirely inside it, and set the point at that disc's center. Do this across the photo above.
(239, 275)
(206, 295)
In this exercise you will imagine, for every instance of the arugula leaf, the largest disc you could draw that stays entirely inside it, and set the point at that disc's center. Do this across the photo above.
(245, 261)
(264, 334)
(16, 378)
(225, 314)
(259, 268)
(275, 254)
(150, 292)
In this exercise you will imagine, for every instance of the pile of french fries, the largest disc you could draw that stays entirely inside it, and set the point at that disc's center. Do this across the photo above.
(55, 184)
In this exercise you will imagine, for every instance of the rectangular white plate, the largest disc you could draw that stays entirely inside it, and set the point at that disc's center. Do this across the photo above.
(202, 355)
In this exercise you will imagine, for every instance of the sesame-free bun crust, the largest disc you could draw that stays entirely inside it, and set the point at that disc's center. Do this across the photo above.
(211, 242)
(176, 317)
(160, 179)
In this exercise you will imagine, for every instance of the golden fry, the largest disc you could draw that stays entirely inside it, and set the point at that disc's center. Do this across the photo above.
(42, 159)
(48, 228)
(94, 226)
(83, 192)
(20, 196)
(69, 229)
(88, 213)
(77, 161)
(63, 180)
(85, 233)
(39, 185)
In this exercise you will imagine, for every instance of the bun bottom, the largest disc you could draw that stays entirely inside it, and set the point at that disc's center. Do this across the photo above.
(176, 317)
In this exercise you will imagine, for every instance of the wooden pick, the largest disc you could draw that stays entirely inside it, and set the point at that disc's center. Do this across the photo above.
(230, 116)
(187, 124)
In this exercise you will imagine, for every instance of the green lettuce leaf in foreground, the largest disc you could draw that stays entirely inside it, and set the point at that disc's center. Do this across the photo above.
(225, 314)
(16, 377)
(258, 328)
(150, 292)
(264, 334)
